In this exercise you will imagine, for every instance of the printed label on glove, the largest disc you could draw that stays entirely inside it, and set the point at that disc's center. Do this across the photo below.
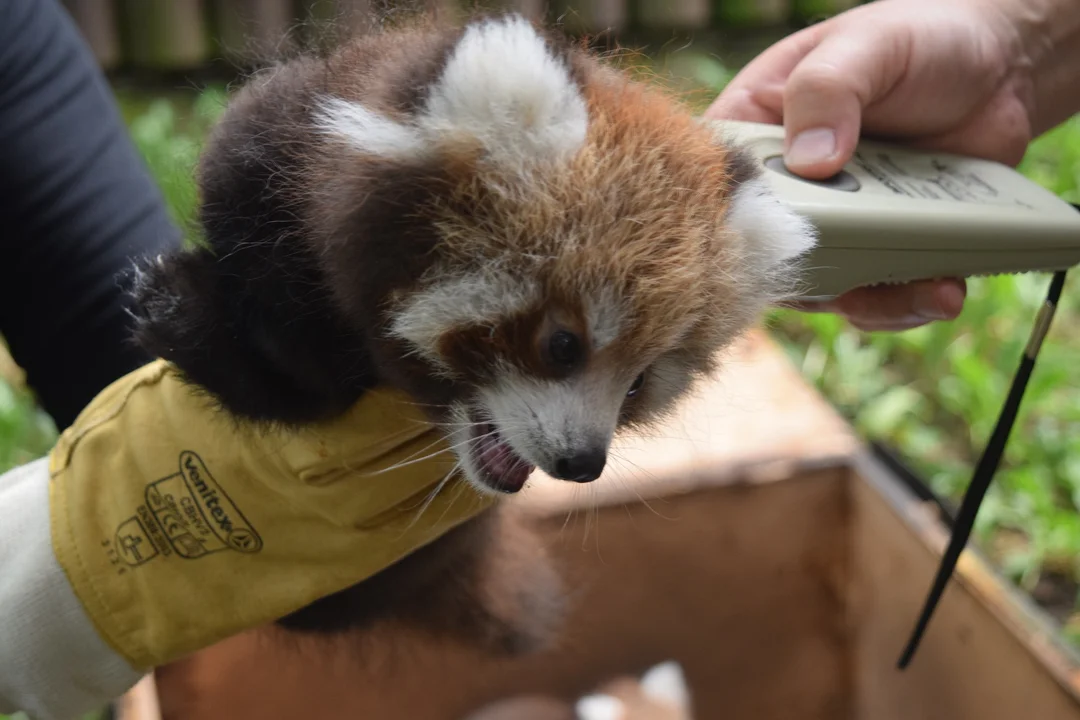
(155, 495)
(187, 513)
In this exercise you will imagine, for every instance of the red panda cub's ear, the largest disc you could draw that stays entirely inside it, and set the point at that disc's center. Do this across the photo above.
(503, 88)
(776, 236)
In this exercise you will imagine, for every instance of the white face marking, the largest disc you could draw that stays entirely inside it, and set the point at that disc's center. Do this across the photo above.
(367, 131)
(775, 232)
(545, 420)
(501, 86)
(665, 683)
(484, 297)
(600, 707)
(604, 316)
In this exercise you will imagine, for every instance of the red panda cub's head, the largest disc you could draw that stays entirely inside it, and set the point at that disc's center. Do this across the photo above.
(594, 247)
(537, 248)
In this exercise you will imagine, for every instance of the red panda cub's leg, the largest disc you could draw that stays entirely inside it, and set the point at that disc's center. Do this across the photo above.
(488, 583)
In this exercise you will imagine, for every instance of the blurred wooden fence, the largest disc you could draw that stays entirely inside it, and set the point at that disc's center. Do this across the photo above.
(187, 34)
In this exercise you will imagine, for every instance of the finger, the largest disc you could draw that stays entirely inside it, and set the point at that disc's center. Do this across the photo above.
(902, 306)
(755, 93)
(866, 324)
(826, 92)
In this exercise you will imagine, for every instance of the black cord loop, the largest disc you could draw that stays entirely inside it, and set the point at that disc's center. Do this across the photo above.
(988, 465)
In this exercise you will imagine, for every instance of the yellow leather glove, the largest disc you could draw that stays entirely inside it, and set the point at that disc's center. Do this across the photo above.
(178, 525)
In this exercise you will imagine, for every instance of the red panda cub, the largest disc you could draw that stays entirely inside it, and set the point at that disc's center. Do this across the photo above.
(538, 249)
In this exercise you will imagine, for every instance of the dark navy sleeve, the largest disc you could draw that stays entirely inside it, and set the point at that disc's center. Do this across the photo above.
(77, 205)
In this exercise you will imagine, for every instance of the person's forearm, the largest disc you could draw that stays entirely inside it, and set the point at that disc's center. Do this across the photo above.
(77, 207)
(1046, 37)
(53, 663)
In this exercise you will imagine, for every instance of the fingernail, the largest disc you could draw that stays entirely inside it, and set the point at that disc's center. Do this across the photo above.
(811, 147)
(952, 300)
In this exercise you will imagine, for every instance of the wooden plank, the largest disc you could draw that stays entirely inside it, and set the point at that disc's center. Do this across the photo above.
(739, 583)
(751, 14)
(165, 34)
(987, 655)
(785, 591)
(344, 15)
(247, 30)
(593, 16)
(673, 14)
(532, 9)
(97, 23)
(733, 573)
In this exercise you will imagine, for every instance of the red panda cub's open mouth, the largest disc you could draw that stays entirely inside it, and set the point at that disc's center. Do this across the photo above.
(500, 467)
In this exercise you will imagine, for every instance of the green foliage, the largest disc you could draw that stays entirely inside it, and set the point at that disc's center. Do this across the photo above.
(169, 133)
(26, 432)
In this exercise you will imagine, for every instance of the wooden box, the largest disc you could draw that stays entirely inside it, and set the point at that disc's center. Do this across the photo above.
(754, 540)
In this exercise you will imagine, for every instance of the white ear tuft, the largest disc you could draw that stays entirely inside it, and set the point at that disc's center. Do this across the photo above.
(367, 131)
(503, 86)
(600, 707)
(665, 683)
(773, 229)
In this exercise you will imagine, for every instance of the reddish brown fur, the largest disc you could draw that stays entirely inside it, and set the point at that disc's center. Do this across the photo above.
(644, 205)
(644, 202)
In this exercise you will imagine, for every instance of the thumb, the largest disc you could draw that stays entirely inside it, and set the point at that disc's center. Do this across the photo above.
(826, 93)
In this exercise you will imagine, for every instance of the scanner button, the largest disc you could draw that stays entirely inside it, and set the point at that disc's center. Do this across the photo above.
(842, 180)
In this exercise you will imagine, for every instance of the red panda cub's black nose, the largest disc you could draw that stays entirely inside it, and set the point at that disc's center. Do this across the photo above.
(582, 467)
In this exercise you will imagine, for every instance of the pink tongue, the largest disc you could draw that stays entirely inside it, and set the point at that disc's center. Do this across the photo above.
(497, 458)
(500, 462)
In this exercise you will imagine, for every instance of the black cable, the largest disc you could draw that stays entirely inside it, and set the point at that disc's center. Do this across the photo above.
(988, 464)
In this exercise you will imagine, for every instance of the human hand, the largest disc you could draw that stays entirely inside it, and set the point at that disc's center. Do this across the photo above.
(940, 76)
(155, 490)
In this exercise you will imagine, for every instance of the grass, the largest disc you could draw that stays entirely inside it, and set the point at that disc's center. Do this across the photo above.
(932, 393)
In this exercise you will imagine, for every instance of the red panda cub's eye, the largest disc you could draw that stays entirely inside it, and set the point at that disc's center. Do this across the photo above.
(636, 385)
(564, 348)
